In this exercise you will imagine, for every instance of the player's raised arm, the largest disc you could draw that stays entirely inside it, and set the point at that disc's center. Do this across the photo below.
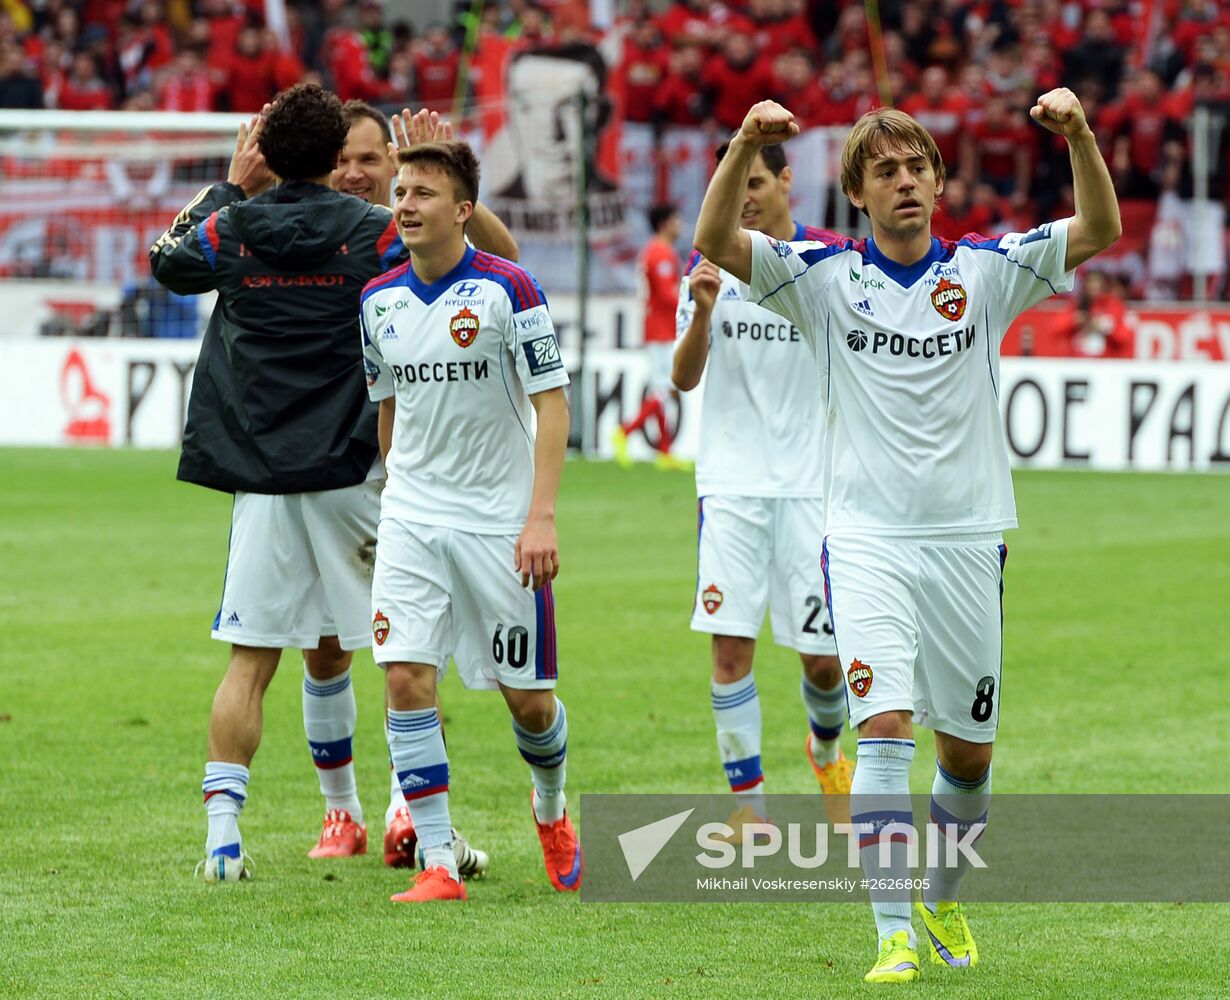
(692, 351)
(537, 551)
(1096, 224)
(718, 236)
(485, 229)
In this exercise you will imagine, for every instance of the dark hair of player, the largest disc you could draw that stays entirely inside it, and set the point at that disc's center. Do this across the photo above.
(774, 157)
(456, 159)
(355, 111)
(304, 132)
(660, 214)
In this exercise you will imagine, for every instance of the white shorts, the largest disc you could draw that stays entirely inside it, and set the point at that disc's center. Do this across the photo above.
(440, 592)
(762, 551)
(660, 355)
(299, 567)
(919, 626)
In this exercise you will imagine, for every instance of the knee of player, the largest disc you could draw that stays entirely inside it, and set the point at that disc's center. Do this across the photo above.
(327, 660)
(823, 672)
(410, 686)
(887, 726)
(732, 658)
(962, 759)
(533, 710)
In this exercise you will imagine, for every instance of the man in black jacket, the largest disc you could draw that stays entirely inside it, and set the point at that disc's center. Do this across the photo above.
(279, 416)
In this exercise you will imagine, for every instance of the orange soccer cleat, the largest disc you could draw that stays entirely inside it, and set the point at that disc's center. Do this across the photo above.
(400, 840)
(430, 886)
(561, 852)
(341, 837)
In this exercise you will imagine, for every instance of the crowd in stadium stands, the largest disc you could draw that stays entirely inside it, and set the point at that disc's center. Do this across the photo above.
(967, 69)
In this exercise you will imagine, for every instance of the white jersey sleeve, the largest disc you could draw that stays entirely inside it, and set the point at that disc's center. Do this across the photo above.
(533, 344)
(1025, 268)
(375, 371)
(775, 285)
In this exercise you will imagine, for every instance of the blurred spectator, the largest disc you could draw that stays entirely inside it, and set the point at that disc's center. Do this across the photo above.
(707, 22)
(285, 67)
(941, 110)
(436, 65)
(997, 151)
(1098, 54)
(19, 88)
(186, 85)
(249, 76)
(798, 87)
(83, 89)
(644, 64)
(956, 215)
(683, 98)
(377, 38)
(1138, 122)
(738, 78)
(1095, 326)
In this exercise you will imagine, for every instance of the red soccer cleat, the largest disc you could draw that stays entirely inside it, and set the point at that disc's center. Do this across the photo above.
(430, 886)
(400, 840)
(561, 852)
(341, 837)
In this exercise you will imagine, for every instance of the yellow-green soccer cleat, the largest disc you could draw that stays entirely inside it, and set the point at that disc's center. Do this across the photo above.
(619, 441)
(898, 962)
(951, 942)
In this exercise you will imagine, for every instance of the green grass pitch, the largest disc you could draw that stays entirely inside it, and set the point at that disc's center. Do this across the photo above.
(1116, 680)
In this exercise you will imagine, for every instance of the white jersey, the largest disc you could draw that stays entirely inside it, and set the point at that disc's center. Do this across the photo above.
(909, 361)
(762, 420)
(462, 356)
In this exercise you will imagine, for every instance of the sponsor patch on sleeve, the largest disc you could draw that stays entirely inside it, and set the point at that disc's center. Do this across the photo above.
(542, 354)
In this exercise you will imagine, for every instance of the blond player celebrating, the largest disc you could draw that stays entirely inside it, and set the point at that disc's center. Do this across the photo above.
(906, 330)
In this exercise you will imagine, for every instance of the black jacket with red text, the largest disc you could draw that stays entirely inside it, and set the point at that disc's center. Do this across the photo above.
(279, 401)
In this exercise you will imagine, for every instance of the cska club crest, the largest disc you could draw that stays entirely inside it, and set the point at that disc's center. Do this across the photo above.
(380, 628)
(860, 676)
(464, 328)
(711, 598)
(949, 299)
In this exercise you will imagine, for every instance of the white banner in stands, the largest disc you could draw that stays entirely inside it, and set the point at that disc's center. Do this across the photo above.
(1057, 412)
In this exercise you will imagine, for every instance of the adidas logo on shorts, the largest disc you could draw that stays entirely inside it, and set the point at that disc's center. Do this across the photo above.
(234, 621)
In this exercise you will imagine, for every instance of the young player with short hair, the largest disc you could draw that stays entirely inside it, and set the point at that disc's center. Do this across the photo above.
(365, 169)
(907, 330)
(461, 353)
(760, 504)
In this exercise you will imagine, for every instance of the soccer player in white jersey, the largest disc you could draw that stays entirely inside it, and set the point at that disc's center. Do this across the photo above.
(461, 353)
(907, 330)
(760, 511)
(365, 169)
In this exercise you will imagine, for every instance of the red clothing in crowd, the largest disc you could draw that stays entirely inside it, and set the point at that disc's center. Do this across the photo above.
(1143, 123)
(731, 86)
(349, 66)
(194, 92)
(944, 119)
(680, 100)
(435, 78)
(997, 147)
(682, 22)
(660, 269)
(952, 225)
(87, 95)
(810, 104)
(641, 73)
(249, 82)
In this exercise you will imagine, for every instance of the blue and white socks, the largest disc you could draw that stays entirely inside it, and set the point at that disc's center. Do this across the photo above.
(956, 805)
(226, 790)
(826, 715)
(880, 796)
(546, 753)
(329, 717)
(736, 714)
(416, 747)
